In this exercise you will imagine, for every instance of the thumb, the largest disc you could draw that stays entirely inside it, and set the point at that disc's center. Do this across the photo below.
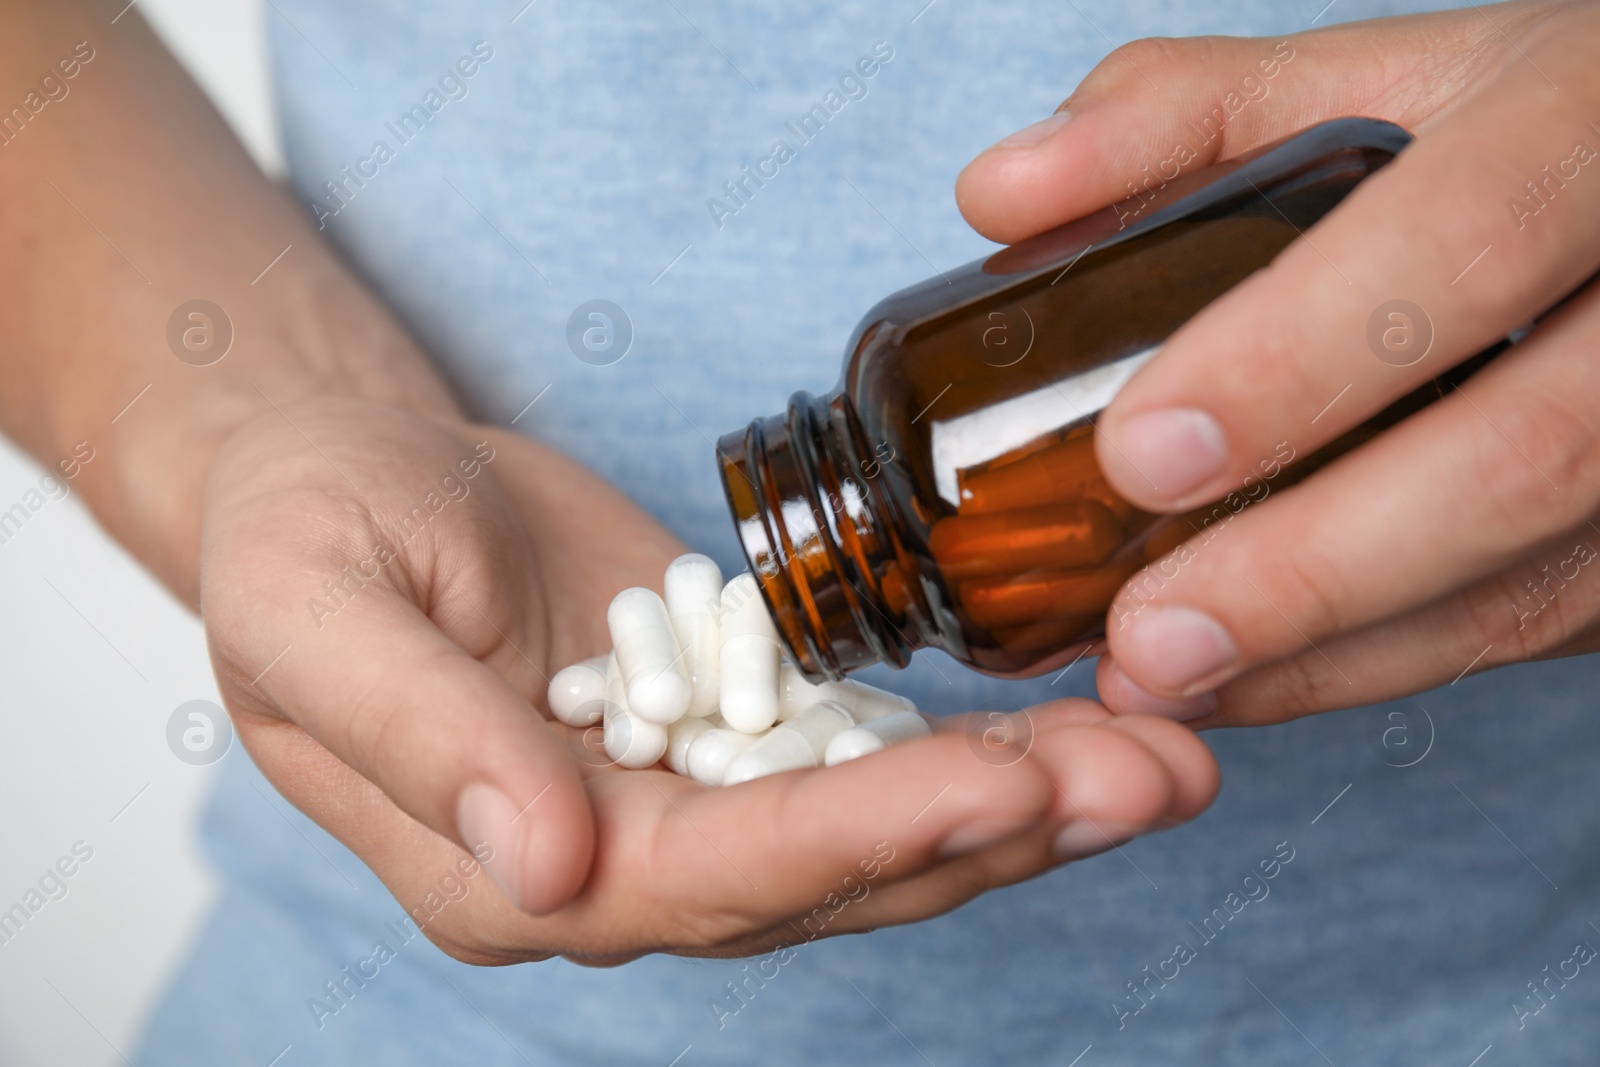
(444, 737)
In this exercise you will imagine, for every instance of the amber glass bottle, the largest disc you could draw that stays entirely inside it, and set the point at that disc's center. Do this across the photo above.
(947, 494)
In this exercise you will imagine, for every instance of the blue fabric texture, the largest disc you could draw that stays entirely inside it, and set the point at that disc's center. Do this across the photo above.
(1412, 911)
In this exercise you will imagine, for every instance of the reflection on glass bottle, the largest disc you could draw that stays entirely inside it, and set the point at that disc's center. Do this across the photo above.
(947, 493)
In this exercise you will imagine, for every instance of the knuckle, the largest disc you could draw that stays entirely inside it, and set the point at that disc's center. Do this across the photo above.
(1535, 462)
(1304, 684)
(370, 730)
(381, 732)
(699, 927)
(483, 954)
(1128, 65)
(1496, 621)
(476, 955)
(1164, 52)
(237, 673)
(1528, 611)
(698, 921)
(233, 675)
(1495, 289)
(961, 882)
(482, 944)
(1304, 586)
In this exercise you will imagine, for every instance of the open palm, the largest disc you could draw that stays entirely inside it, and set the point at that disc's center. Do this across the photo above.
(385, 598)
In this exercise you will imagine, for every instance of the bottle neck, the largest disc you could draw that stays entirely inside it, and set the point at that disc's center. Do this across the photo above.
(814, 533)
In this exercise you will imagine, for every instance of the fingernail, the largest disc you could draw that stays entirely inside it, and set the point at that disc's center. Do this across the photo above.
(1178, 648)
(485, 815)
(1171, 452)
(1126, 697)
(1081, 838)
(978, 835)
(1037, 134)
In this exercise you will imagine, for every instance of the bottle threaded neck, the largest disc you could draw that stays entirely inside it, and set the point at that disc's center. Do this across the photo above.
(810, 531)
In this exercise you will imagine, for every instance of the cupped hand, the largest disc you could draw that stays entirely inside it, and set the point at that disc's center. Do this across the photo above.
(385, 597)
(1463, 538)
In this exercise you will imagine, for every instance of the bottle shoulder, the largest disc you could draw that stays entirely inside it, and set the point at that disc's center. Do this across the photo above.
(1348, 146)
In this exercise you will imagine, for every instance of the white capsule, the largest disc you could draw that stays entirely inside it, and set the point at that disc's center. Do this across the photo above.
(680, 735)
(795, 745)
(750, 654)
(693, 587)
(796, 693)
(868, 702)
(631, 741)
(577, 692)
(880, 733)
(820, 723)
(648, 655)
(864, 702)
(710, 753)
(616, 687)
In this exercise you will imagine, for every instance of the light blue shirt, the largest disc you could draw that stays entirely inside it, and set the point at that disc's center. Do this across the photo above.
(491, 170)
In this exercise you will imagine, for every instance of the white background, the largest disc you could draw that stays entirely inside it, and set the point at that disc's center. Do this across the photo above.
(94, 657)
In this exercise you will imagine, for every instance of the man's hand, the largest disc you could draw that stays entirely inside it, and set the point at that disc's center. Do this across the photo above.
(386, 596)
(387, 587)
(1463, 538)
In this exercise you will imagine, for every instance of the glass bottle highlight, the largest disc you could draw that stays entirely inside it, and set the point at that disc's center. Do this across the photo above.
(946, 494)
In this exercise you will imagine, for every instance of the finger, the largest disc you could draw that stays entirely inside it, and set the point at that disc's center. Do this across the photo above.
(1108, 786)
(443, 889)
(1123, 696)
(441, 734)
(1544, 606)
(1191, 767)
(729, 866)
(1160, 107)
(1118, 781)
(314, 625)
(1113, 782)
(1363, 309)
(1489, 472)
(720, 864)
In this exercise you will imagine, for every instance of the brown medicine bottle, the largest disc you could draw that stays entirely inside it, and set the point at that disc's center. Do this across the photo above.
(947, 494)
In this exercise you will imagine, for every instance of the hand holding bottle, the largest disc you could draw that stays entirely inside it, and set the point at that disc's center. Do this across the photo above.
(1460, 539)
(387, 586)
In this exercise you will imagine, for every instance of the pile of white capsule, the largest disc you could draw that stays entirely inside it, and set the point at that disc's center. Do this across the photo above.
(696, 680)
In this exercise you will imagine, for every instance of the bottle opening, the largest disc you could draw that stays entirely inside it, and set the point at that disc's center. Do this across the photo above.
(812, 539)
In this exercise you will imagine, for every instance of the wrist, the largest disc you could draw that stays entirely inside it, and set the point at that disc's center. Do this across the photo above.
(96, 386)
(153, 436)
